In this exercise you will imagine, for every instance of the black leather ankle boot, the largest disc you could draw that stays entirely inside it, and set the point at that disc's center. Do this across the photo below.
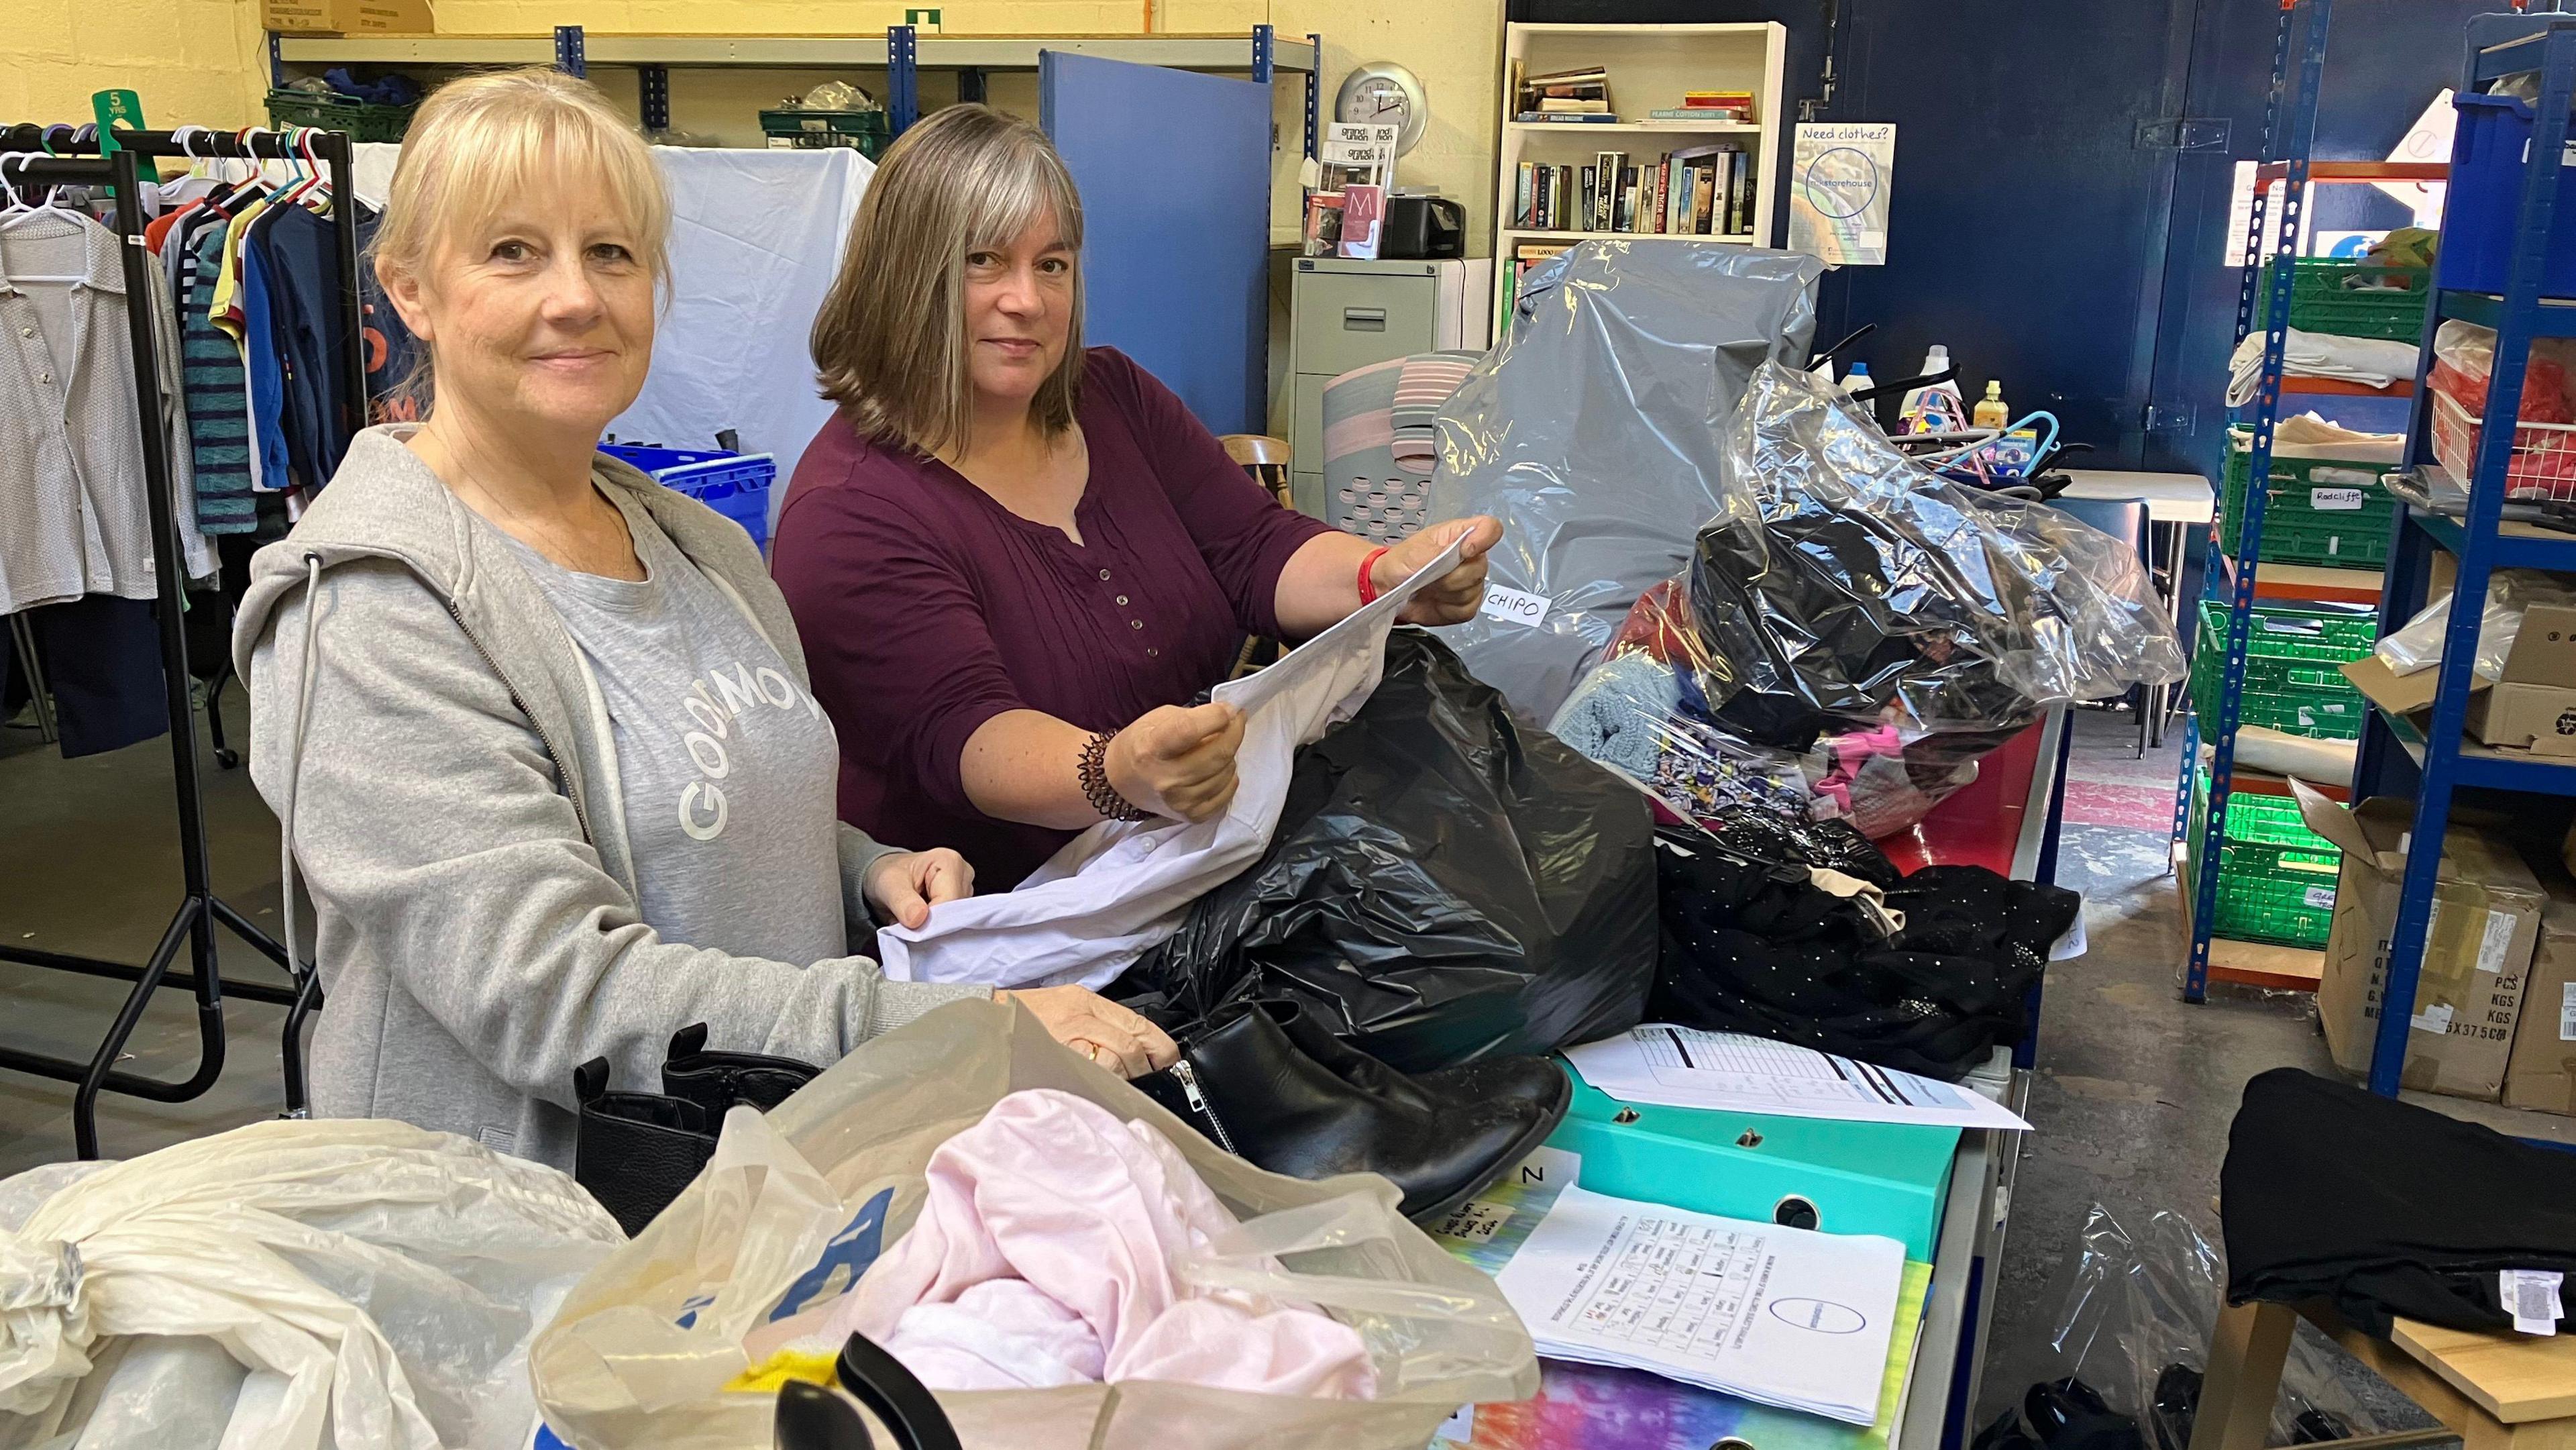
(716, 1081)
(636, 1151)
(1249, 1080)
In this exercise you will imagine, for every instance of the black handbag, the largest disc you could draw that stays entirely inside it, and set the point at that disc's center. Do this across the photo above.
(635, 1151)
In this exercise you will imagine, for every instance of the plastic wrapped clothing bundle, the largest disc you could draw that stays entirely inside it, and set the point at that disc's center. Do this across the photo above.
(1591, 431)
(1446, 883)
(1643, 712)
(1846, 587)
(296, 1285)
(2418, 646)
(2137, 1301)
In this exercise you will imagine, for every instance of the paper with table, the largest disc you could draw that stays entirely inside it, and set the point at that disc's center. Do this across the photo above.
(1784, 1316)
(1584, 1404)
(1122, 886)
(1684, 1067)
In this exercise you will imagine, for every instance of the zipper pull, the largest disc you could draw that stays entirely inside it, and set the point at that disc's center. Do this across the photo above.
(1188, 1078)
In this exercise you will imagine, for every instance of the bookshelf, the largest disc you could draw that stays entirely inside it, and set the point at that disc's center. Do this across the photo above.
(1648, 67)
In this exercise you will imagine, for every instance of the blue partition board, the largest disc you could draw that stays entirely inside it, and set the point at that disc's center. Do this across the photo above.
(1174, 170)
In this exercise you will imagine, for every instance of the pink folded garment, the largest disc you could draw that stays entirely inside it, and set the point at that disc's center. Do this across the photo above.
(1043, 1256)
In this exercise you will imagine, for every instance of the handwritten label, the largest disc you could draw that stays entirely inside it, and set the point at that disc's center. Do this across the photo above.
(1477, 1220)
(2320, 897)
(1511, 606)
(2334, 500)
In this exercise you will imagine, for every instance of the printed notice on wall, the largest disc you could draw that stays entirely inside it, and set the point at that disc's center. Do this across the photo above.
(1839, 175)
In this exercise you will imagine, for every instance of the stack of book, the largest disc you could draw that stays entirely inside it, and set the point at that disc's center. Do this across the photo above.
(1570, 95)
(1693, 191)
(1709, 106)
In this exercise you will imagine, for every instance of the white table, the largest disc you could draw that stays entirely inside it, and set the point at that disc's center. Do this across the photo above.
(2175, 502)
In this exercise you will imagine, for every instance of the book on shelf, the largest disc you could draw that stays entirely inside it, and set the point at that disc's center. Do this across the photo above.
(1703, 198)
(1568, 118)
(1571, 106)
(1712, 115)
(1739, 100)
(1524, 178)
(1591, 196)
(1589, 88)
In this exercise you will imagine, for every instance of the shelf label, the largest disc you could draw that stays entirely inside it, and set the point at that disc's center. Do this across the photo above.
(2566, 152)
(1511, 606)
(2320, 897)
(2433, 1019)
(2334, 500)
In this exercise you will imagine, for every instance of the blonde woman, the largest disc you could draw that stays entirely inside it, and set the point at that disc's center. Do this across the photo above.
(536, 729)
(1014, 559)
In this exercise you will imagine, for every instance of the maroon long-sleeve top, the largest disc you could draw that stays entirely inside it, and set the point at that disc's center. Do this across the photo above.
(926, 608)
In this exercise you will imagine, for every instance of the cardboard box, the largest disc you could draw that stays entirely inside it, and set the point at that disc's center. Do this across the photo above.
(349, 17)
(2487, 906)
(2531, 706)
(2542, 1071)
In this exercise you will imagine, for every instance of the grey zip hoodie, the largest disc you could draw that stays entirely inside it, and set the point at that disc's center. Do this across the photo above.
(442, 768)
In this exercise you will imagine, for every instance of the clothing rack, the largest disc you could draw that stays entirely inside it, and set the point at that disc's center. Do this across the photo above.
(60, 155)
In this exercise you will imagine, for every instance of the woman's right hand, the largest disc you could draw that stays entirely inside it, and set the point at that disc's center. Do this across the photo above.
(1178, 761)
(1099, 1029)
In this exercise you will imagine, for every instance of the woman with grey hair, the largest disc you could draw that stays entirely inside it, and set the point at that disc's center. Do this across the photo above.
(537, 730)
(1015, 560)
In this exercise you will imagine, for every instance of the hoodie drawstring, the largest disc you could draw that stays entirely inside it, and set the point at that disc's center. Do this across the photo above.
(295, 760)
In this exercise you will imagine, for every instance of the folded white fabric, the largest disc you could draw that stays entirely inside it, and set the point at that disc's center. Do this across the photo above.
(1045, 1255)
(2370, 361)
(1122, 886)
(2312, 435)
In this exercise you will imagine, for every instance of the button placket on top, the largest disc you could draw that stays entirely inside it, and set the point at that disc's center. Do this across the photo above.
(59, 462)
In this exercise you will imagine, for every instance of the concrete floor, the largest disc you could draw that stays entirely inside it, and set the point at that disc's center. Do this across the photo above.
(2131, 1103)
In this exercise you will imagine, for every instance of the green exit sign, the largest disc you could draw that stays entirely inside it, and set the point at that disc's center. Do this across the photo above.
(925, 20)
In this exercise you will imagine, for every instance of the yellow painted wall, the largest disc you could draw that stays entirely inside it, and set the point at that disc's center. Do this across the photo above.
(200, 62)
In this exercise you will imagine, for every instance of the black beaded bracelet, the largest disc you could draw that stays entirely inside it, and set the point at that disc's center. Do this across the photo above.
(1096, 788)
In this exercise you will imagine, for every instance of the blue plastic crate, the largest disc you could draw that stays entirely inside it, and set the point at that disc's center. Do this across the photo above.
(2486, 201)
(735, 485)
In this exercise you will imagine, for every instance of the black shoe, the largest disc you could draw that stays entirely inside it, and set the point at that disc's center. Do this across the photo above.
(636, 1151)
(2069, 1414)
(2177, 1406)
(717, 1081)
(1248, 1082)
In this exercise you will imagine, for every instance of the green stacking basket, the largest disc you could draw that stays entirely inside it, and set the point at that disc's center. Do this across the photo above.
(2276, 878)
(363, 120)
(2331, 512)
(866, 132)
(2349, 298)
(2291, 683)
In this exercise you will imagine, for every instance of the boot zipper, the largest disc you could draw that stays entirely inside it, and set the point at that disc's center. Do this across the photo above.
(1188, 1078)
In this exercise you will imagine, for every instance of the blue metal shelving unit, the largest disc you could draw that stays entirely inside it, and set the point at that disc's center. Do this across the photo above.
(2289, 134)
(2498, 46)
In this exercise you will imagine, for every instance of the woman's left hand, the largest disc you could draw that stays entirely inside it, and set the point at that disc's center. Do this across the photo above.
(1454, 597)
(904, 885)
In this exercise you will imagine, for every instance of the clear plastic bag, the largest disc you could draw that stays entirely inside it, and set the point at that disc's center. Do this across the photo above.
(1643, 712)
(2137, 1303)
(290, 1285)
(796, 1205)
(1846, 587)
(1591, 432)
(2418, 646)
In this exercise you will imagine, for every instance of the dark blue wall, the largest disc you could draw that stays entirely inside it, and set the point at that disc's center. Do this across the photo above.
(2029, 231)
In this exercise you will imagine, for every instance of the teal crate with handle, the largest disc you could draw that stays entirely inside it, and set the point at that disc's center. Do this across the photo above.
(363, 120)
(2331, 512)
(2350, 298)
(2292, 682)
(2276, 878)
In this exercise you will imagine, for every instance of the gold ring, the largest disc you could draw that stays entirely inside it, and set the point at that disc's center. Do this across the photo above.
(1091, 1051)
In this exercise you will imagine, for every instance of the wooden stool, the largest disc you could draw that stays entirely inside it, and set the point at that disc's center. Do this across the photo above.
(2494, 1391)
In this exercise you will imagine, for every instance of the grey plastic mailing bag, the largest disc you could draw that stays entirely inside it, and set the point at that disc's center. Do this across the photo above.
(1593, 432)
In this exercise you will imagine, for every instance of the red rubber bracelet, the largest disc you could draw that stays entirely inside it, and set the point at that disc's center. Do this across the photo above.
(1368, 590)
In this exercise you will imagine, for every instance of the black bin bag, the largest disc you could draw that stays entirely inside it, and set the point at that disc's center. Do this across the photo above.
(1446, 883)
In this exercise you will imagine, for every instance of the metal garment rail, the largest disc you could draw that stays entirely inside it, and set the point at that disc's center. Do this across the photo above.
(42, 156)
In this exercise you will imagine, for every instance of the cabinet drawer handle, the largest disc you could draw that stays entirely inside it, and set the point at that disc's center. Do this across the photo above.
(1364, 319)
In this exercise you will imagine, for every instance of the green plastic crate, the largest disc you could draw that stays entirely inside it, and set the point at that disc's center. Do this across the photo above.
(2291, 682)
(865, 131)
(2327, 295)
(2348, 533)
(364, 121)
(2276, 878)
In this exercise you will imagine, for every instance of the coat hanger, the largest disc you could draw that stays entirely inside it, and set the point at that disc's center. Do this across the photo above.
(20, 211)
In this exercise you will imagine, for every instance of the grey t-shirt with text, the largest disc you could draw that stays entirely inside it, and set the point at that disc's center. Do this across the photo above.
(726, 769)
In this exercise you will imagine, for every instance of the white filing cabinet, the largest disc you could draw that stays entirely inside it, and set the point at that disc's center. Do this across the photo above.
(1345, 314)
